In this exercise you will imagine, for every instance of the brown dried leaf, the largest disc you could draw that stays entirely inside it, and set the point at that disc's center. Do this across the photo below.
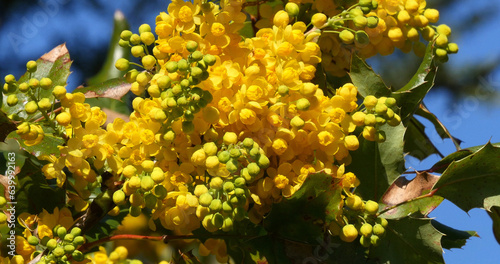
(55, 53)
(113, 88)
(403, 190)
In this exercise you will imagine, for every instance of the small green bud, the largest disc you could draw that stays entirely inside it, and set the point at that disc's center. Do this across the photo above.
(390, 102)
(360, 21)
(370, 101)
(441, 53)
(44, 104)
(61, 232)
(452, 48)
(10, 79)
(160, 191)
(205, 199)
(224, 156)
(263, 162)
(135, 39)
(137, 51)
(232, 165)
(12, 100)
(125, 35)
(197, 55)
(292, 9)
(227, 225)
(33, 83)
(239, 182)
(183, 65)
(24, 87)
(79, 240)
(362, 38)
(365, 241)
(171, 66)
(135, 211)
(69, 238)
(235, 153)
(147, 38)
(196, 72)
(215, 205)
(164, 82)
(68, 249)
(216, 183)
(46, 83)
(228, 187)
(378, 230)
(122, 64)
(76, 231)
(58, 252)
(372, 21)
(33, 240)
(3, 201)
(346, 36)
(51, 244)
(253, 169)
(297, 122)
(283, 90)
(375, 240)
(31, 107)
(78, 255)
(366, 230)
(303, 104)
(239, 213)
(191, 46)
(147, 183)
(31, 66)
(217, 220)
(209, 59)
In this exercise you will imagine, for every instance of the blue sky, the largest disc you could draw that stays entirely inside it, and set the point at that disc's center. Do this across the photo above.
(86, 25)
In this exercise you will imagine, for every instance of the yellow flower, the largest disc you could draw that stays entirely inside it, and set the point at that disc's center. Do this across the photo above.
(185, 15)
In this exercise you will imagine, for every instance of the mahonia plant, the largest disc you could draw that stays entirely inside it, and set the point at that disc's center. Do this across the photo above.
(224, 127)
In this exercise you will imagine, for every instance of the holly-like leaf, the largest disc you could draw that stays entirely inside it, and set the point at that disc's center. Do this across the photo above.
(441, 165)
(452, 238)
(366, 80)
(7, 126)
(294, 218)
(406, 197)
(378, 165)
(32, 185)
(417, 143)
(409, 240)
(494, 213)
(411, 95)
(440, 128)
(473, 181)
(114, 88)
(115, 52)
(54, 65)
(48, 146)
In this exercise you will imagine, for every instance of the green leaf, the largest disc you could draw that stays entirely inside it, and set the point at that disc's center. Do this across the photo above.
(105, 227)
(441, 165)
(32, 185)
(366, 80)
(409, 240)
(378, 165)
(7, 126)
(407, 197)
(48, 146)
(440, 128)
(115, 52)
(114, 88)
(247, 30)
(473, 181)
(411, 95)
(494, 213)
(54, 65)
(452, 238)
(417, 143)
(294, 218)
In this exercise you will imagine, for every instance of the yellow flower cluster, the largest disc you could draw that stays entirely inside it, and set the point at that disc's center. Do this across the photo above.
(398, 24)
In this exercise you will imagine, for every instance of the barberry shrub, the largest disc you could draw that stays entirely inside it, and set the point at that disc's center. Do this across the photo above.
(258, 134)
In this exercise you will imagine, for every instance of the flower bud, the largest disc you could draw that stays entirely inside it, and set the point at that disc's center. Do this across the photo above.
(319, 20)
(346, 36)
(148, 61)
(31, 107)
(122, 64)
(147, 38)
(281, 19)
(31, 66)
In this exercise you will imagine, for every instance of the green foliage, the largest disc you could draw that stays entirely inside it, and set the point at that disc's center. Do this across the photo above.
(294, 217)
(473, 181)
